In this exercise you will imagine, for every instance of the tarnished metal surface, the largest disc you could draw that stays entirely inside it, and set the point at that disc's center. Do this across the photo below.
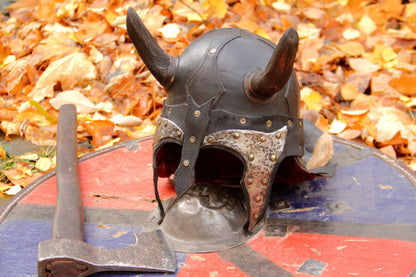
(166, 128)
(260, 151)
(68, 221)
(207, 218)
(66, 254)
(312, 267)
(64, 257)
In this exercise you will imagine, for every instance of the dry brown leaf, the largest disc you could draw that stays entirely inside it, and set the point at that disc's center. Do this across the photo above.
(349, 91)
(26, 180)
(69, 71)
(405, 84)
(363, 66)
(313, 13)
(352, 48)
(389, 151)
(101, 131)
(322, 152)
(82, 103)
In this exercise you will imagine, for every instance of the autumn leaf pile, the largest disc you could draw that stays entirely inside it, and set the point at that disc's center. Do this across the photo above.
(356, 65)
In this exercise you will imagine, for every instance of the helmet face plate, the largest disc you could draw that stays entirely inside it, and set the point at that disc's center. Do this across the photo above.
(232, 105)
(207, 218)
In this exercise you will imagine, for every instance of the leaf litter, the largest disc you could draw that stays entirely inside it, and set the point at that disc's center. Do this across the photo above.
(356, 65)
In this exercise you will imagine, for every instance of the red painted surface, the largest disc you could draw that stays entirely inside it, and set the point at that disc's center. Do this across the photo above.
(208, 264)
(126, 184)
(345, 256)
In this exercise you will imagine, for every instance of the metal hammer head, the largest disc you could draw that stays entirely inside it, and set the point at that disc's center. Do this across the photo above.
(65, 257)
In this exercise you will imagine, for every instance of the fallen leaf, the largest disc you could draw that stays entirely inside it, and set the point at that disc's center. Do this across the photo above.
(351, 34)
(29, 156)
(13, 190)
(4, 187)
(126, 121)
(217, 8)
(69, 71)
(405, 84)
(82, 103)
(389, 151)
(44, 164)
(2, 153)
(322, 152)
(337, 127)
(367, 25)
(281, 6)
(170, 31)
(313, 13)
(101, 131)
(354, 112)
(349, 91)
(311, 98)
(350, 134)
(352, 48)
(362, 66)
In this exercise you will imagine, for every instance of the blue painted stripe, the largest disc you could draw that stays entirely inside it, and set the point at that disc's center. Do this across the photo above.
(375, 192)
(18, 251)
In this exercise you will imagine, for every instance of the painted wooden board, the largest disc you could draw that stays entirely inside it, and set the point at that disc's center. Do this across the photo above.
(360, 222)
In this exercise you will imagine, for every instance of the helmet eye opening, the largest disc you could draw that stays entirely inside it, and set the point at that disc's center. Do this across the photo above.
(215, 165)
(168, 158)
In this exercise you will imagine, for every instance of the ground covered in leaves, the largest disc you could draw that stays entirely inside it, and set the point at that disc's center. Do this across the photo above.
(356, 65)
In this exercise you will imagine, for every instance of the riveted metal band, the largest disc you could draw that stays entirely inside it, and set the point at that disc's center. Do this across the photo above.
(166, 128)
(260, 151)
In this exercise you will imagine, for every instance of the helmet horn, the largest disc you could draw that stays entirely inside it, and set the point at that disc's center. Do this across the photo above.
(160, 63)
(262, 85)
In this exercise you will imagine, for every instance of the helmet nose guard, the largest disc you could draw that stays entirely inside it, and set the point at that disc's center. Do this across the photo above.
(230, 90)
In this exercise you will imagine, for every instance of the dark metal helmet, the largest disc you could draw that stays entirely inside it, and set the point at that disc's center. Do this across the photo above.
(232, 111)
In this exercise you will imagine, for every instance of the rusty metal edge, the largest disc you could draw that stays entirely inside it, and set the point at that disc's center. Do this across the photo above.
(4, 211)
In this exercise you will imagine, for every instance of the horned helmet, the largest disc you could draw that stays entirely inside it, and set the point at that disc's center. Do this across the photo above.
(231, 112)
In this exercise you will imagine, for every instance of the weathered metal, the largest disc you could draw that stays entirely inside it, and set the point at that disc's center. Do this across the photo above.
(66, 254)
(230, 83)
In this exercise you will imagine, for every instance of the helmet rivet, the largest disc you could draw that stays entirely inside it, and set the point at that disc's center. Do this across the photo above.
(243, 120)
(300, 147)
(278, 135)
(197, 113)
(186, 163)
(178, 133)
(273, 158)
(212, 50)
(249, 181)
(169, 110)
(289, 122)
(192, 139)
(262, 139)
(264, 181)
(210, 139)
(300, 123)
(268, 123)
(251, 157)
(258, 198)
(165, 124)
(236, 135)
(256, 216)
